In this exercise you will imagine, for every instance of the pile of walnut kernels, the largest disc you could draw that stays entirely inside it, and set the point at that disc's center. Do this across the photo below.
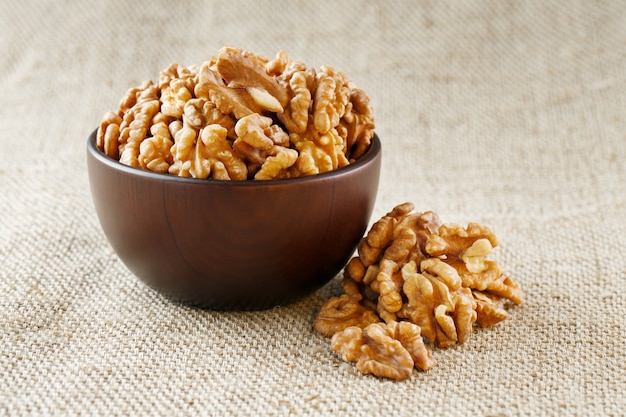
(240, 116)
(414, 278)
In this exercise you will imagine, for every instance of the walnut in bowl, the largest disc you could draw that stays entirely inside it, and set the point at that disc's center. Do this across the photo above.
(242, 183)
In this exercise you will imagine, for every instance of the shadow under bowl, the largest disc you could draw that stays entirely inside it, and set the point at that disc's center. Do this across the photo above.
(233, 245)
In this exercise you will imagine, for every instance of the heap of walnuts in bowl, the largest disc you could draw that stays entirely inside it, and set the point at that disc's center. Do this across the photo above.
(240, 116)
(414, 279)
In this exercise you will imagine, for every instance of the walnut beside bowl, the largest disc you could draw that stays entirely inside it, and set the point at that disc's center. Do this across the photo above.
(233, 245)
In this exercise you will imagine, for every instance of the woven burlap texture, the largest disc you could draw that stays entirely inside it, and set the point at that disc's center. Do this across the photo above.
(507, 113)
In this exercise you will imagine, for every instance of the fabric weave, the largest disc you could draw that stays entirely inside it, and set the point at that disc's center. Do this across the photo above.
(510, 114)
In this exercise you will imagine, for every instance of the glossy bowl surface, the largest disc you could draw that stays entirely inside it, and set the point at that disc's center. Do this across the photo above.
(233, 245)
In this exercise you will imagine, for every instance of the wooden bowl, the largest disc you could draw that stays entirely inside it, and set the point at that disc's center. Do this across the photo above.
(233, 245)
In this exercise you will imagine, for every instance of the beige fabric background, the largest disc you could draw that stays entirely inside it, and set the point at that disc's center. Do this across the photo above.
(508, 113)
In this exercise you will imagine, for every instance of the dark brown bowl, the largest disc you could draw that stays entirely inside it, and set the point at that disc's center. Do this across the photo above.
(233, 245)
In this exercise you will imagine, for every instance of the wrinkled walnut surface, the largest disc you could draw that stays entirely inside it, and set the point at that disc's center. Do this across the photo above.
(240, 116)
(412, 269)
(389, 350)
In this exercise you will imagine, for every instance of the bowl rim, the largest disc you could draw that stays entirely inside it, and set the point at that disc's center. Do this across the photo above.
(370, 155)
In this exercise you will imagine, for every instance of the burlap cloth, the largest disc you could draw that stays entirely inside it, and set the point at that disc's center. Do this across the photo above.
(511, 114)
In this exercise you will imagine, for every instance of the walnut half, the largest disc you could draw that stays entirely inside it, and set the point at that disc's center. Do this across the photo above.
(388, 350)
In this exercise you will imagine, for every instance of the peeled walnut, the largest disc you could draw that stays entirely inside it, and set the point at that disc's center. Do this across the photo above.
(174, 97)
(489, 309)
(233, 101)
(238, 84)
(400, 236)
(178, 72)
(357, 124)
(154, 153)
(331, 97)
(466, 249)
(146, 91)
(355, 307)
(278, 65)
(409, 335)
(493, 280)
(389, 285)
(295, 116)
(133, 129)
(413, 270)
(395, 240)
(389, 350)
(463, 247)
(380, 235)
(243, 70)
(437, 303)
(319, 152)
(207, 154)
(120, 134)
(253, 129)
(108, 134)
(277, 164)
(341, 312)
